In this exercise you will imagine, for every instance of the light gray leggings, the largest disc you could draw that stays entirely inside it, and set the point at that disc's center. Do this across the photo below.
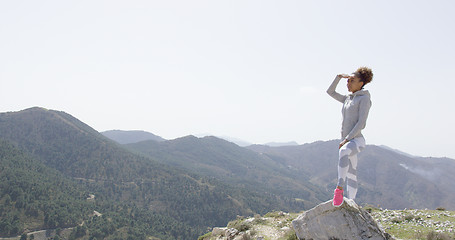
(347, 165)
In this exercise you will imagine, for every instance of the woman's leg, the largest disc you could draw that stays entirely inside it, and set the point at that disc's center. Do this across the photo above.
(351, 177)
(347, 165)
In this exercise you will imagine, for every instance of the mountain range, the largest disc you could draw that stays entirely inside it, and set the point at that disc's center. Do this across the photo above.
(147, 186)
(388, 177)
(238, 166)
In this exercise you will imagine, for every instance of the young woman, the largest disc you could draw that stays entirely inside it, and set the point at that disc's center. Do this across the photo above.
(355, 113)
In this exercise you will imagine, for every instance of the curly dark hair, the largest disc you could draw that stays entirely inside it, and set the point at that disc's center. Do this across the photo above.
(365, 74)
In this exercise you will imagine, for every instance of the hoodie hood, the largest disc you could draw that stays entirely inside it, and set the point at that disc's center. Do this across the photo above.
(360, 93)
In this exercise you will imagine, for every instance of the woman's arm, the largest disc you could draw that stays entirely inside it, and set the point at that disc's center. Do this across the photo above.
(332, 89)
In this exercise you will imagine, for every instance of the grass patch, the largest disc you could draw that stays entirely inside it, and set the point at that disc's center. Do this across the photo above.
(205, 236)
(416, 224)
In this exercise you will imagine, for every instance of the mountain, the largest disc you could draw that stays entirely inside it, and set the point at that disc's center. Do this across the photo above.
(243, 143)
(238, 166)
(138, 196)
(62, 142)
(240, 142)
(386, 178)
(125, 137)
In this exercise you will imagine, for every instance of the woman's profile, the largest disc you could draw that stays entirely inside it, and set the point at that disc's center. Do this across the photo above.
(355, 110)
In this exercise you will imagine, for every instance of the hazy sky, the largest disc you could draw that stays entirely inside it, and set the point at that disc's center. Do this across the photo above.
(253, 70)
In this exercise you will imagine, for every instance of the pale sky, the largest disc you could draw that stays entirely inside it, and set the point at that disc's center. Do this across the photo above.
(252, 70)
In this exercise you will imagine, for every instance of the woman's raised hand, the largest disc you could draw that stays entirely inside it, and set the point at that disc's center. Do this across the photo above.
(343, 75)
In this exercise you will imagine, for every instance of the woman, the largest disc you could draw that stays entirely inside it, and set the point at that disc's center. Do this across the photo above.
(355, 113)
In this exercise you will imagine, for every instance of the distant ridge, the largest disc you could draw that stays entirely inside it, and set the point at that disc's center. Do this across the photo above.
(243, 143)
(398, 151)
(281, 144)
(237, 141)
(133, 136)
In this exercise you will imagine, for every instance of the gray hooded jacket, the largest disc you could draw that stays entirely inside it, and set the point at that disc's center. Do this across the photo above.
(355, 110)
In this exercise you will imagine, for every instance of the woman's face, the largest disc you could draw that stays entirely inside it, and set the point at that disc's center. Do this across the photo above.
(354, 83)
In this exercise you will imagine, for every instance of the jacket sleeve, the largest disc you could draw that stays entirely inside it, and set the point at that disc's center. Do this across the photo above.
(364, 109)
(332, 90)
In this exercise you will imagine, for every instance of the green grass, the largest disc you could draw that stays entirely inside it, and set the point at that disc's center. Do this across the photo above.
(205, 236)
(416, 224)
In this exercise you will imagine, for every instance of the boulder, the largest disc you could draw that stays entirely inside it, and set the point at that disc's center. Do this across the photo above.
(348, 221)
(218, 231)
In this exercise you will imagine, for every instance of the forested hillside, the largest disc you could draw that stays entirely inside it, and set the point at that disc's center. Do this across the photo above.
(140, 196)
(36, 197)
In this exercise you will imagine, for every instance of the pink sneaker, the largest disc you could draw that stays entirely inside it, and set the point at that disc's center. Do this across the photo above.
(337, 197)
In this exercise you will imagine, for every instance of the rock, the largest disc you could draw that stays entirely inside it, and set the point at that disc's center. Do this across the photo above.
(230, 233)
(218, 231)
(348, 221)
(241, 236)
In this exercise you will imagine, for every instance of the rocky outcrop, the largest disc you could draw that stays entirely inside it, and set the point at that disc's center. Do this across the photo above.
(404, 224)
(273, 226)
(326, 222)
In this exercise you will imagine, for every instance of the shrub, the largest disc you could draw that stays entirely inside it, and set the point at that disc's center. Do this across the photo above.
(259, 220)
(274, 214)
(409, 217)
(240, 225)
(370, 208)
(397, 220)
